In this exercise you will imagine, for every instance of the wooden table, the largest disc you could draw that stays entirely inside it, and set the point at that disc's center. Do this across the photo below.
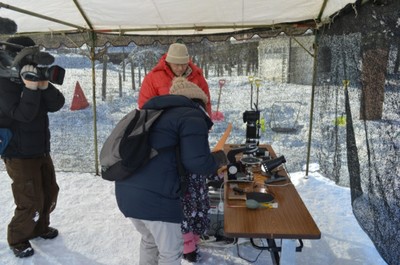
(290, 221)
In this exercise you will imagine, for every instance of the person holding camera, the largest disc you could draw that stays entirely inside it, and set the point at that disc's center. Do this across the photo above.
(25, 105)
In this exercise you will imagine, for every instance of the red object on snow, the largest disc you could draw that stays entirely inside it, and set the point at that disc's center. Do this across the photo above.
(217, 115)
(79, 100)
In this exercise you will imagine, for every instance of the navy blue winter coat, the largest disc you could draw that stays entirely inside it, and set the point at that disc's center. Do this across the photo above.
(153, 192)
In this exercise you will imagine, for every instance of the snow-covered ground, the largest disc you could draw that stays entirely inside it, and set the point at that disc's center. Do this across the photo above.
(94, 232)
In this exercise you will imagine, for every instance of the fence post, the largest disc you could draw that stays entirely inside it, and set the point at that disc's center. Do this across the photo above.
(133, 74)
(120, 84)
(104, 85)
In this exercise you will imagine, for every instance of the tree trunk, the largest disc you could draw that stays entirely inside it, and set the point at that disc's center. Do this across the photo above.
(206, 66)
(374, 63)
(397, 62)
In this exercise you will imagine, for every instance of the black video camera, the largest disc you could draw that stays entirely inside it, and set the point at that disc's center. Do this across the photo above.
(11, 67)
(54, 74)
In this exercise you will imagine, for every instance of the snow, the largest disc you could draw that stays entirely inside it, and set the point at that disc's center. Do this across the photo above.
(94, 232)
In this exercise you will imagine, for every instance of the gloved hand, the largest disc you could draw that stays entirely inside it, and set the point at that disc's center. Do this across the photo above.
(220, 158)
(33, 85)
(42, 85)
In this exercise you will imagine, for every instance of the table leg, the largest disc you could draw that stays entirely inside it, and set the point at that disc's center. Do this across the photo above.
(273, 251)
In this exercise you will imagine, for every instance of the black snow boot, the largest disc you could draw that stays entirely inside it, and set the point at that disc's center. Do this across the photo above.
(50, 233)
(22, 250)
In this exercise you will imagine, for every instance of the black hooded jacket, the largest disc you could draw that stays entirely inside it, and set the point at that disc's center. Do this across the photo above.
(25, 112)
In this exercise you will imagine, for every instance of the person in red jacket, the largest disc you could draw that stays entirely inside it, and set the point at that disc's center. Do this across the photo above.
(175, 63)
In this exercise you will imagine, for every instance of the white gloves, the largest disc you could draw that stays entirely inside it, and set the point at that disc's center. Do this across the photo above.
(30, 70)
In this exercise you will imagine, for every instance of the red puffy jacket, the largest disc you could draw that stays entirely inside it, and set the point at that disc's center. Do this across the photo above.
(159, 80)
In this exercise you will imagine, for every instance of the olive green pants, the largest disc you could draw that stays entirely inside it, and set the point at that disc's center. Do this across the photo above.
(35, 193)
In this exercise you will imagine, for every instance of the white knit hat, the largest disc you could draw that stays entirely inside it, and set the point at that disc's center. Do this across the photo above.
(181, 86)
(177, 54)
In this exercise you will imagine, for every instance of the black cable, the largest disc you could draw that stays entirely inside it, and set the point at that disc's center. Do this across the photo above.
(219, 236)
(248, 260)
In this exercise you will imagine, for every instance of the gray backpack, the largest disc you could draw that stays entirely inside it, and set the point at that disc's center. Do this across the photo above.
(127, 149)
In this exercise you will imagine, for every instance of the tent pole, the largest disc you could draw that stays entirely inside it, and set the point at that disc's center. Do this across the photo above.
(30, 13)
(314, 79)
(92, 59)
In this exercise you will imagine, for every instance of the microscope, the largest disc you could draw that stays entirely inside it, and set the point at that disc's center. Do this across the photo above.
(253, 155)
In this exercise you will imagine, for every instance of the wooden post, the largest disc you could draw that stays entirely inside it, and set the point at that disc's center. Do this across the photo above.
(92, 59)
(104, 85)
(133, 74)
(123, 62)
(120, 84)
(139, 76)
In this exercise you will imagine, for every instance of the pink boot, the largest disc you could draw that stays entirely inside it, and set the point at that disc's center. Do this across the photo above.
(189, 244)
(189, 248)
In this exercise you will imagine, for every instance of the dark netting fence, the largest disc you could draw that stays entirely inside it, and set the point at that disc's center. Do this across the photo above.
(359, 84)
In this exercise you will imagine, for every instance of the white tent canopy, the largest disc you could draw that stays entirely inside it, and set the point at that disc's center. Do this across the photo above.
(72, 23)
(164, 17)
